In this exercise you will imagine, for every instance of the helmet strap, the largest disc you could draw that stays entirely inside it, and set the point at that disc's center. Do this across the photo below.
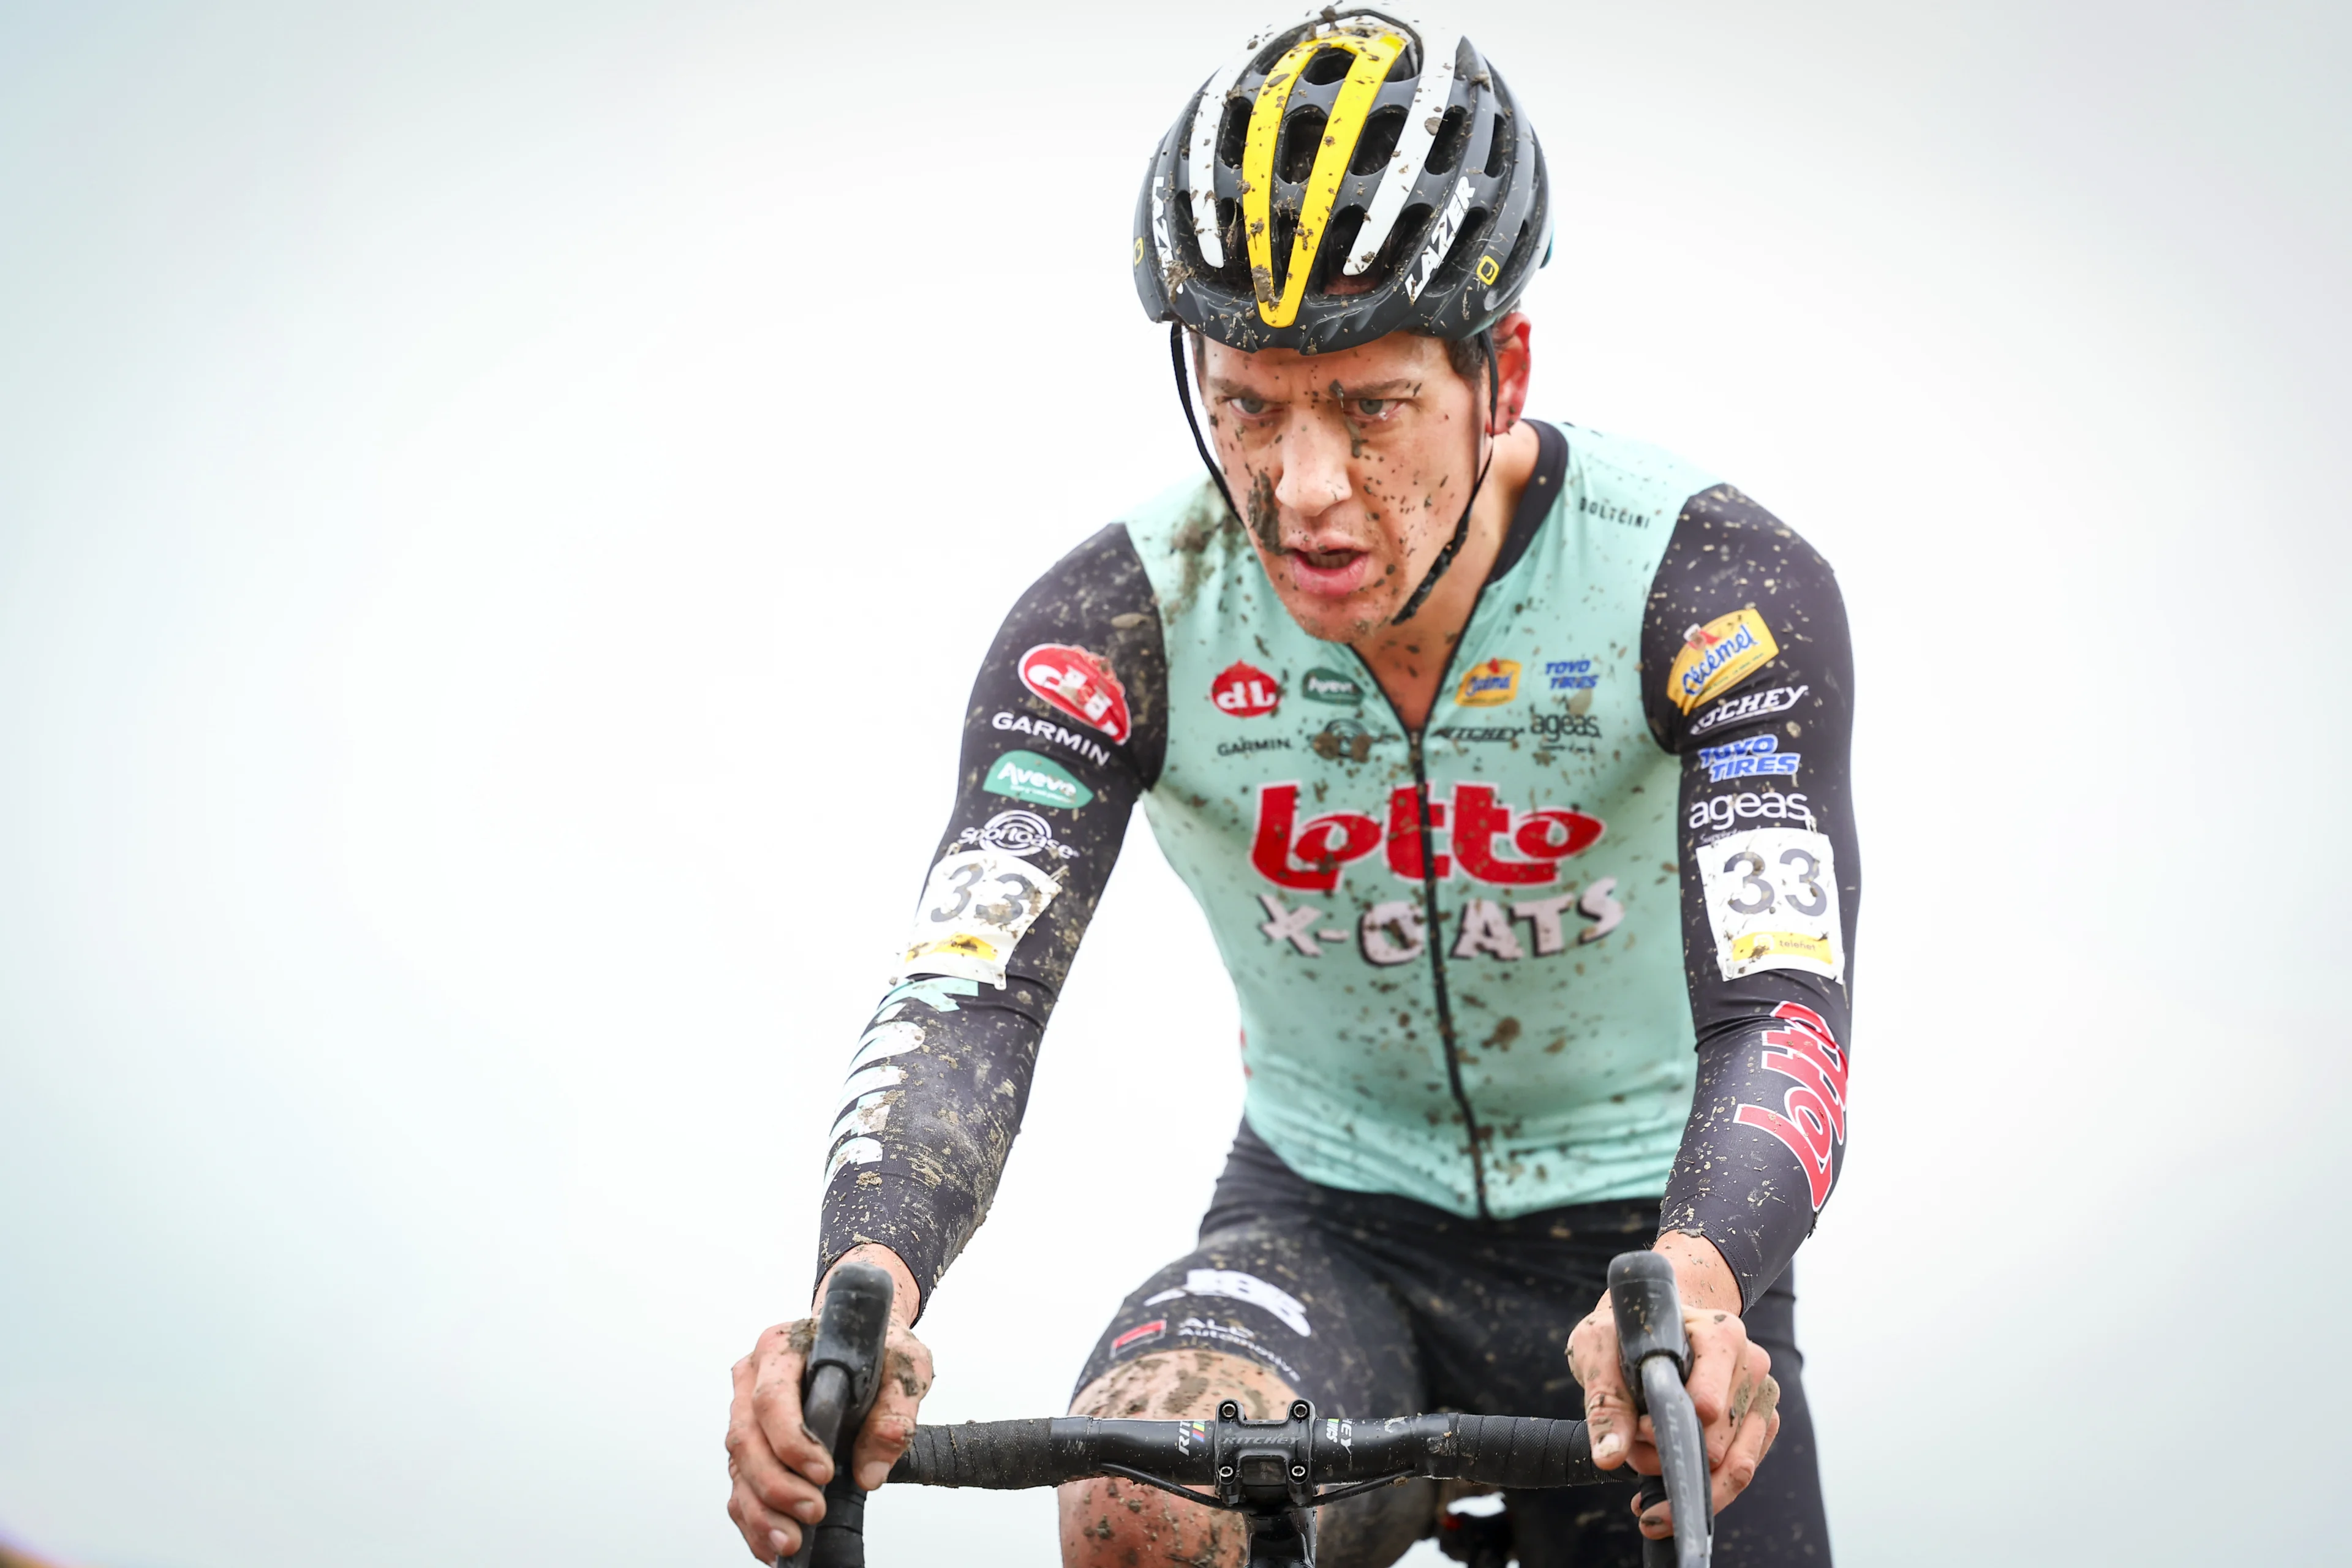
(1461, 529)
(1184, 396)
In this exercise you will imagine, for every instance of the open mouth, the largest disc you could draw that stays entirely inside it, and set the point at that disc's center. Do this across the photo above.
(1329, 573)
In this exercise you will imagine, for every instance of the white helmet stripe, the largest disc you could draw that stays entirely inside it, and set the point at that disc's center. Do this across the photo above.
(1420, 123)
(1201, 151)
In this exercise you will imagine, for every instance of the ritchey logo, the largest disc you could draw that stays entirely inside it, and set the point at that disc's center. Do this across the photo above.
(1245, 691)
(1079, 684)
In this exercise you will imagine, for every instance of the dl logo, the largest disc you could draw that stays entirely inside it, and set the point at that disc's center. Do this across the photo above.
(1245, 691)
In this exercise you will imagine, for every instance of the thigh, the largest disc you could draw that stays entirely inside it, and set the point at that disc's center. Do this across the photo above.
(1258, 1312)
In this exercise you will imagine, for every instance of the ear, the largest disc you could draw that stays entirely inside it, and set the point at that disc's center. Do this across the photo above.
(1512, 360)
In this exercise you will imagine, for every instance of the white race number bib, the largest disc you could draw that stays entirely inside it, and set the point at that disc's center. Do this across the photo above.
(1772, 903)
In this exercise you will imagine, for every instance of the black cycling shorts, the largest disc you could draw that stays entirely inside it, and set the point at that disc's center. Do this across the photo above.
(1372, 1305)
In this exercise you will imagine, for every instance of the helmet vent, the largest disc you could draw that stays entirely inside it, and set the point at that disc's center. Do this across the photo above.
(1302, 138)
(1378, 143)
(1328, 67)
(1453, 136)
(1233, 131)
(1497, 142)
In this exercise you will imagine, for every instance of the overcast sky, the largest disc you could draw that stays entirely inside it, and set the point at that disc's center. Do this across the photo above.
(499, 505)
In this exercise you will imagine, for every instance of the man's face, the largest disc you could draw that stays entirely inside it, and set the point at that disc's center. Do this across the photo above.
(1350, 469)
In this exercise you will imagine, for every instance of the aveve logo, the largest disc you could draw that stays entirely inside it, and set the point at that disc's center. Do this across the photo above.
(1079, 684)
(1245, 691)
(1491, 842)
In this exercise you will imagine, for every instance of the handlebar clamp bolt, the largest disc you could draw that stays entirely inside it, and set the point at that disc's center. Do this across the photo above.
(1225, 1472)
(1298, 1471)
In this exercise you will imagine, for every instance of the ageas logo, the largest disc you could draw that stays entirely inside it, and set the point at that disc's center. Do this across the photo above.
(1814, 1125)
(1079, 684)
(1245, 691)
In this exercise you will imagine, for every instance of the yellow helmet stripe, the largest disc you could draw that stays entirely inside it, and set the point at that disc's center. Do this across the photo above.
(1340, 133)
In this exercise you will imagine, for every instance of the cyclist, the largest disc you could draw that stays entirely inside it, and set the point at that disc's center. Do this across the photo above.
(1508, 762)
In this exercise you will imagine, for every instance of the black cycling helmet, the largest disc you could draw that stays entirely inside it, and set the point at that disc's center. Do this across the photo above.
(1354, 175)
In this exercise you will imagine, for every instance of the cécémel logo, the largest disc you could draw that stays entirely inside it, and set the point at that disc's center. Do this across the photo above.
(1489, 685)
(1079, 684)
(1245, 691)
(1040, 781)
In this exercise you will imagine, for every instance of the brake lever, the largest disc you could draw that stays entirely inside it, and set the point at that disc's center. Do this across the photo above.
(1654, 1354)
(837, 1388)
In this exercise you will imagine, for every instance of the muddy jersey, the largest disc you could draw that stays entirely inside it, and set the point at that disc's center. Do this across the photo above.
(1585, 935)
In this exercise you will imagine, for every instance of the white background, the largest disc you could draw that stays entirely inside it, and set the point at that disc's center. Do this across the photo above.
(499, 505)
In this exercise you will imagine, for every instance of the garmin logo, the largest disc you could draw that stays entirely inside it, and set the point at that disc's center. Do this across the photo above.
(1457, 207)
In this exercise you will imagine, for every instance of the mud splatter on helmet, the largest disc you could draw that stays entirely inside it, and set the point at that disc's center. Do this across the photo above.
(1356, 173)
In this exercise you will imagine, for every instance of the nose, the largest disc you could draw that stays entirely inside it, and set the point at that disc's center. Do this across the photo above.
(1314, 468)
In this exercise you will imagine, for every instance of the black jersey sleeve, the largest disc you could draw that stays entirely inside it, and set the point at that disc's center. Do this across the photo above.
(1747, 676)
(1065, 730)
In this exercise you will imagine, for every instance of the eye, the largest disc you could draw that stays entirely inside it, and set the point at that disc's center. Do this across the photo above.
(1251, 407)
(1368, 408)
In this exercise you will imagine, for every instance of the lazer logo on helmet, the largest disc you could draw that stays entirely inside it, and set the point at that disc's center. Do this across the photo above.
(1490, 841)
(1245, 691)
(1457, 207)
(1079, 684)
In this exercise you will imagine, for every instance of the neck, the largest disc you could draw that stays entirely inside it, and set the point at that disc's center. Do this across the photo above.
(1409, 660)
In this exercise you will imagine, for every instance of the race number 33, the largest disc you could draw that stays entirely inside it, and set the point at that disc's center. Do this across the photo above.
(975, 907)
(1771, 901)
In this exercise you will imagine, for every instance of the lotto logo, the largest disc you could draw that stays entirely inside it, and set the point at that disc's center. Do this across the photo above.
(1813, 1124)
(1079, 684)
(1487, 838)
(1245, 691)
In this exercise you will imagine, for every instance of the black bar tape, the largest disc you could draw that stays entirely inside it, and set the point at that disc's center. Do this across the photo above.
(1519, 1451)
(1001, 1455)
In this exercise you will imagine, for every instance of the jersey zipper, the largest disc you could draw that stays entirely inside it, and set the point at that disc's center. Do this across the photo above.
(1435, 930)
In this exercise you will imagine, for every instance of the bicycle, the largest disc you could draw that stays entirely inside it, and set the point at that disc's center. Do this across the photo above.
(1273, 1473)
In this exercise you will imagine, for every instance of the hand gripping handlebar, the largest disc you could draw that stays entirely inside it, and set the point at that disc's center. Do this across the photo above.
(1654, 1353)
(1273, 1472)
(845, 1366)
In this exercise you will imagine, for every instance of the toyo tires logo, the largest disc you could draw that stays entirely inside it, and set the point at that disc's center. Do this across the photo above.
(1490, 842)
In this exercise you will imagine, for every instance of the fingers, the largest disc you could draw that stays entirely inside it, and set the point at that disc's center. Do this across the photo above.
(776, 1363)
(906, 1378)
(1727, 1368)
(1719, 1346)
(1759, 1424)
(1617, 1435)
(770, 1497)
(768, 1536)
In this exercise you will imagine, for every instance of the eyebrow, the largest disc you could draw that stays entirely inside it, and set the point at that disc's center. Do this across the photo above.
(1404, 387)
